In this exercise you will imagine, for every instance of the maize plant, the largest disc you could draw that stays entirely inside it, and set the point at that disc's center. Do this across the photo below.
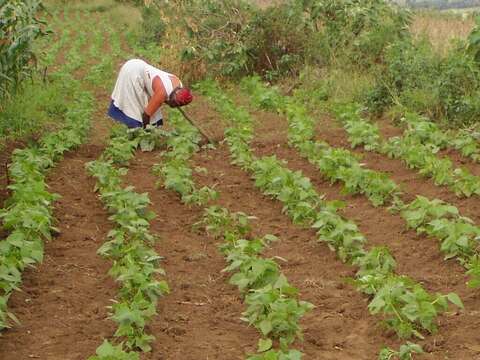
(19, 28)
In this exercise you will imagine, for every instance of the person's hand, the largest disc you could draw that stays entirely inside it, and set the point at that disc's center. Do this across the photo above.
(146, 120)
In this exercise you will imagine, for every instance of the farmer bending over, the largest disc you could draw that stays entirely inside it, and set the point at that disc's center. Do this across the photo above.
(140, 91)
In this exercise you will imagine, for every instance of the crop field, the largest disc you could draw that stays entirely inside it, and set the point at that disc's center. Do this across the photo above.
(300, 233)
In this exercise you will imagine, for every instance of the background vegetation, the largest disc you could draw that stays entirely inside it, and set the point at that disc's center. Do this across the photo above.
(19, 28)
(373, 52)
(440, 4)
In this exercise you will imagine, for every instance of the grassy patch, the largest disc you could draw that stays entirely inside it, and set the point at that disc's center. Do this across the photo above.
(39, 107)
(333, 85)
(442, 29)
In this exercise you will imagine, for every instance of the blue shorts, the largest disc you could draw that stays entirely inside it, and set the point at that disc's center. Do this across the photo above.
(118, 115)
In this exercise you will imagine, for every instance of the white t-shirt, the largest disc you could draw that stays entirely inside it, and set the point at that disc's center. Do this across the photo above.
(134, 88)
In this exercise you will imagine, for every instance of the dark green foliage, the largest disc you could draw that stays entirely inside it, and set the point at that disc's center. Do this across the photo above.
(360, 28)
(279, 41)
(459, 88)
(216, 31)
(413, 76)
(134, 2)
(235, 38)
(407, 66)
(19, 28)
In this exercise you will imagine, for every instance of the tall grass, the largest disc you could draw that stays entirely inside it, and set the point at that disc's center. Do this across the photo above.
(38, 108)
(442, 29)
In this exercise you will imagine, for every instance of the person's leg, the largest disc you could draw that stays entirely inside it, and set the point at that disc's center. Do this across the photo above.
(118, 115)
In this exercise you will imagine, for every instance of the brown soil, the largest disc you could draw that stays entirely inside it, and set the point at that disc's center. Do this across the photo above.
(63, 303)
(416, 256)
(62, 306)
(200, 319)
(340, 326)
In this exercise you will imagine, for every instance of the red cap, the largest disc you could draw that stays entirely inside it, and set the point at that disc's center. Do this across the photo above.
(183, 96)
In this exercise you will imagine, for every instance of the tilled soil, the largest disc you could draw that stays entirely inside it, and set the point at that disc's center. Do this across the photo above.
(339, 327)
(200, 318)
(62, 305)
(417, 256)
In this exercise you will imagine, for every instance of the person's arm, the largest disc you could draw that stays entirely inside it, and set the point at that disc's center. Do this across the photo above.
(158, 98)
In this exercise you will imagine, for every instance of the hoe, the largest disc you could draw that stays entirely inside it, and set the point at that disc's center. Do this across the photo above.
(207, 138)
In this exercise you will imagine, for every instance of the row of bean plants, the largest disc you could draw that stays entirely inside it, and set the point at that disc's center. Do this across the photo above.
(413, 149)
(426, 132)
(175, 170)
(272, 304)
(406, 307)
(107, 63)
(457, 235)
(337, 164)
(27, 215)
(136, 265)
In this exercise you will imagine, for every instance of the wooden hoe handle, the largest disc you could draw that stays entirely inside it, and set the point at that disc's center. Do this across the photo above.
(195, 125)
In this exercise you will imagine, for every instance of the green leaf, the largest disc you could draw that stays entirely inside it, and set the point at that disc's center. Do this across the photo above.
(455, 299)
(264, 345)
(265, 327)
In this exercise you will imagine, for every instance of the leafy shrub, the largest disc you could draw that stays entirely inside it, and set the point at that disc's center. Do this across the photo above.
(458, 86)
(215, 31)
(360, 28)
(414, 77)
(473, 41)
(234, 38)
(408, 66)
(280, 41)
(134, 2)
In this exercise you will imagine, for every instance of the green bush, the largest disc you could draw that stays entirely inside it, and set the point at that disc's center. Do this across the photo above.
(235, 38)
(19, 28)
(458, 86)
(216, 32)
(279, 41)
(414, 77)
(358, 29)
(133, 2)
(407, 66)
